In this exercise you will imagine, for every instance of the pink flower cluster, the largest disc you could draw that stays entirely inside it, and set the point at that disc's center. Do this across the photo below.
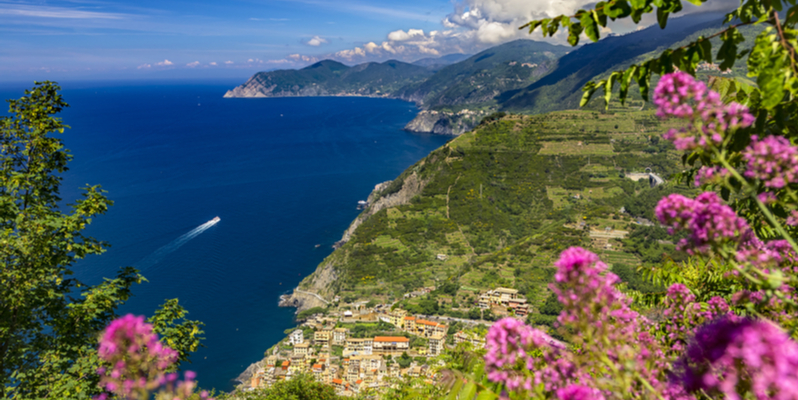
(678, 94)
(710, 175)
(139, 363)
(507, 344)
(772, 160)
(733, 355)
(708, 220)
(720, 353)
(578, 392)
(683, 315)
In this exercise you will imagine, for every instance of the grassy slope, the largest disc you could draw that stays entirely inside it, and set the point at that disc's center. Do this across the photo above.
(498, 203)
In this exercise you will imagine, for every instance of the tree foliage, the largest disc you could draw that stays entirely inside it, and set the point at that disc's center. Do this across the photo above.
(49, 320)
(301, 387)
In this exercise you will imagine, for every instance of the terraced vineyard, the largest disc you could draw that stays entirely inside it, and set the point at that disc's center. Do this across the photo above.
(495, 206)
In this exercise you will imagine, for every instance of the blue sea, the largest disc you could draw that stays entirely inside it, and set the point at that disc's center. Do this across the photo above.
(284, 176)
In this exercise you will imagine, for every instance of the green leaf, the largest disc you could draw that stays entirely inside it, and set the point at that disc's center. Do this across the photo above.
(588, 90)
(543, 23)
(600, 18)
(575, 31)
(468, 391)
(590, 26)
(662, 15)
(486, 395)
(609, 87)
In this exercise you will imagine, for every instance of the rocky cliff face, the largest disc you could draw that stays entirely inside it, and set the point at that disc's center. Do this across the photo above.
(318, 288)
(443, 123)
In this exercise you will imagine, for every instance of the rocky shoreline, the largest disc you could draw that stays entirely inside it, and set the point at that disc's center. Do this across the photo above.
(426, 121)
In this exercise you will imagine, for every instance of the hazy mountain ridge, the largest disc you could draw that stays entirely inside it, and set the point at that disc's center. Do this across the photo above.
(332, 78)
(523, 76)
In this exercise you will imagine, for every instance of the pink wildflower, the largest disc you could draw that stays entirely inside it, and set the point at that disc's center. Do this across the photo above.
(706, 218)
(710, 175)
(679, 95)
(578, 392)
(773, 160)
(733, 355)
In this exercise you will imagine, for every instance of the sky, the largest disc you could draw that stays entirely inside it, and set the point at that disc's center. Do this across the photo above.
(169, 39)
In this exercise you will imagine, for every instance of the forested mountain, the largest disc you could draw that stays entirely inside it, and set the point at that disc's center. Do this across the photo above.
(480, 78)
(436, 63)
(332, 78)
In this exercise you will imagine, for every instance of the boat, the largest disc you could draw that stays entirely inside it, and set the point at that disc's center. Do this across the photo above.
(215, 220)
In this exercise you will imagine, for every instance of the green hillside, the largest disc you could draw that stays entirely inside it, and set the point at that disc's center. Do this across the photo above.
(329, 77)
(500, 204)
(480, 78)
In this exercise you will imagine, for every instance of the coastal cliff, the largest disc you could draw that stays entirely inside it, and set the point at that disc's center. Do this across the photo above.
(316, 290)
(444, 123)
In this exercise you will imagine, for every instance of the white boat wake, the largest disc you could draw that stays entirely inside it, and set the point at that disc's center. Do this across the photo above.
(159, 254)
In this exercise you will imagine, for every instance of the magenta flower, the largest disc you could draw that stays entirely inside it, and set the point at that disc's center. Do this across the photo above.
(679, 95)
(772, 160)
(507, 344)
(707, 219)
(710, 175)
(578, 392)
(139, 362)
(675, 93)
(732, 356)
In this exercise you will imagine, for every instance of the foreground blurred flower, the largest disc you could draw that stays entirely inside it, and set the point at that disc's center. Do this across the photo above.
(732, 356)
(139, 363)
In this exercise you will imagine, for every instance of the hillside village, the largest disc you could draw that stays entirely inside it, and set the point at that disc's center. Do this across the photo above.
(326, 346)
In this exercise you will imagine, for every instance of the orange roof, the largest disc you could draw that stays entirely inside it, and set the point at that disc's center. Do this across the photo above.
(346, 359)
(339, 381)
(441, 326)
(390, 339)
(409, 318)
(358, 381)
(424, 322)
(316, 366)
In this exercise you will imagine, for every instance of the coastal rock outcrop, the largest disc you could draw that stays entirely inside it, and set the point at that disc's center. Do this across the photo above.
(316, 289)
(444, 123)
(411, 186)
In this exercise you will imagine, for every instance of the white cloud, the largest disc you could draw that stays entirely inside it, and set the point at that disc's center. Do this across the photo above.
(229, 62)
(193, 64)
(316, 41)
(474, 25)
(144, 66)
(164, 63)
(302, 58)
(212, 63)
